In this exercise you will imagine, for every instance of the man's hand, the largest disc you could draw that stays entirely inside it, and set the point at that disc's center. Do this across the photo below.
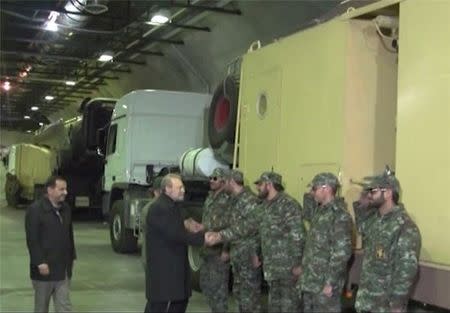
(256, 262)
(296, 272)
(225, 256)
(328, 290)
(193, 226)
(212, 238)
(43, 269)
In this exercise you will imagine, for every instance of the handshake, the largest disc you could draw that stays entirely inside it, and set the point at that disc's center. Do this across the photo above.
(193, 226)
(211, 238)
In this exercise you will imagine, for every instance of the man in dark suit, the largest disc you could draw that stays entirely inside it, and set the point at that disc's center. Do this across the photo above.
(168, 275)
(49, 232)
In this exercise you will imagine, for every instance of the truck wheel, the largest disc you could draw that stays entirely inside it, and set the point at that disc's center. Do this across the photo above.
(122, 239)
(12, 190)
(194, 263)
(223, 113)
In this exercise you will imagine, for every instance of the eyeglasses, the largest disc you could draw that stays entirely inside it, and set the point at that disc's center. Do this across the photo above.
(213, 178)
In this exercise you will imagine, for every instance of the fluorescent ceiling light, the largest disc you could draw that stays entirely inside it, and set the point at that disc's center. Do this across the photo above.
(49, 98)
(6, 86)
(34, 108)
(27, 117)
(70, 83)
(106, 56)
(51, 24)
(160, 17)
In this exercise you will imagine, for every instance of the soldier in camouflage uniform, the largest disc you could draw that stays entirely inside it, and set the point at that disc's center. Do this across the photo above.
(328, 247)
(247, 275)
(215, 269)
(282, 234)
(391, 242)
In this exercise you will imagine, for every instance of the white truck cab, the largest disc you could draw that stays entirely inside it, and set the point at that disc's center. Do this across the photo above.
(149, 132)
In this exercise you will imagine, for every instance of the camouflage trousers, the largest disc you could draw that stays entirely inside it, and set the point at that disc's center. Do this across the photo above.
(283, 297)
(247, 282)
(214, 279)
(313, 302)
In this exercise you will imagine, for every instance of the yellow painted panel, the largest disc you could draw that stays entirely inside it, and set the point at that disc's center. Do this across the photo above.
(337, 99)
(260, 117)
(310, 84)
(34, 165)
(423, 136)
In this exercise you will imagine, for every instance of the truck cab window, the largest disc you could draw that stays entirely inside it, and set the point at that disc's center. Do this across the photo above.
(112, 137)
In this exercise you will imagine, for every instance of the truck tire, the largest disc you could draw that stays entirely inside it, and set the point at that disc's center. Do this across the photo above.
(122, 239)
(223, 113)
(12, 190)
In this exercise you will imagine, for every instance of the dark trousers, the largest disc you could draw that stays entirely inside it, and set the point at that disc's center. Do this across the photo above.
(168, 306)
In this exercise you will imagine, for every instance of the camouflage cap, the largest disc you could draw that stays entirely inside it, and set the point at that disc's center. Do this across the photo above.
(237, 176)
(220, 172)
(383, 181)
(325, 178)
(272, 177)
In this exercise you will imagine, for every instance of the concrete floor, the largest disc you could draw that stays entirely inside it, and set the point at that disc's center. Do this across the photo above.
(103, 281)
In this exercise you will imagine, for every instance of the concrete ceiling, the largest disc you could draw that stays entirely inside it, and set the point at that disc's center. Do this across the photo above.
(194, 60)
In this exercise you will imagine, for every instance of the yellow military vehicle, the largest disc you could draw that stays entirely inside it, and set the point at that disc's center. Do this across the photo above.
(28, 167)
(363, 90)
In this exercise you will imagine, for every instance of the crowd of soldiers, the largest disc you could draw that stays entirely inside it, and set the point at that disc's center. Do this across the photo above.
(303, 252)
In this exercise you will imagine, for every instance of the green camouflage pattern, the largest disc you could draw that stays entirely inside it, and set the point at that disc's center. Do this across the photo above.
(328, 247)
(282, 236)
(246, 279)
(320, 303)
(325, 179)
(272, 177)
(391, 245)
(214, 274)
(283, 296)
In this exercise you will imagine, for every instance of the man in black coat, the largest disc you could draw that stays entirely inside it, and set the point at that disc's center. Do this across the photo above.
(49, 233)
(168, 275)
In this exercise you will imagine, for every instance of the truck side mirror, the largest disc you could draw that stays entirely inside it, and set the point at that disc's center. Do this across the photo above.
(150, 173)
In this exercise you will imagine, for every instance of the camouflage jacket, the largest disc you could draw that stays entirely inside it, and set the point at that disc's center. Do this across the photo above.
(328, 247)
(281, 232)
(243, 208)
(282, 235)
(391, 258)
(216, 216)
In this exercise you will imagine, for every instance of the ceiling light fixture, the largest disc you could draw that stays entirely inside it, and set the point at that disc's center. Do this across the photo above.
(34, 108)
(27, 117)
(6, 86)
(160, 17)
(70, 83)
(41, 124)
(106, 56)
(29, 131)
(23, 74)
(51, 25)
(49, 98)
